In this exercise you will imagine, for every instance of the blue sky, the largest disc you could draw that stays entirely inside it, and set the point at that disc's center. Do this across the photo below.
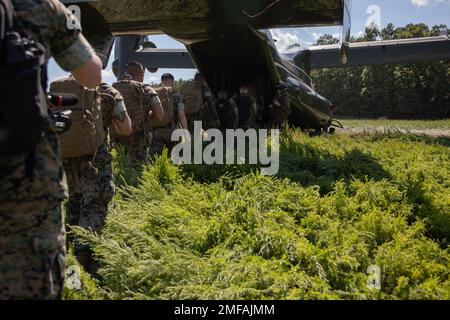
(399, 12)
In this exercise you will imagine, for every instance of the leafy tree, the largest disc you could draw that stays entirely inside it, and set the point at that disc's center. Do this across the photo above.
(326, 39)
(388, 32)
(404, 91)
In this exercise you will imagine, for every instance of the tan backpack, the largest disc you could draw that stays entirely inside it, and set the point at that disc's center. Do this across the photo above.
(193, 97)
(132, 94)
(87, 133)
(165, 94)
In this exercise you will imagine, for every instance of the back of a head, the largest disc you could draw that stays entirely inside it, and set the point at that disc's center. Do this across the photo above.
(167, 80)
(167, 76)
(136, 71)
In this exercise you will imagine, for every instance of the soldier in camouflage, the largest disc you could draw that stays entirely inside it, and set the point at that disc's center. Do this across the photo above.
(32, 233)
(89, 178)
(280, 107)
(246, 106)
(161, 137)
(208, 111)
(138, 143)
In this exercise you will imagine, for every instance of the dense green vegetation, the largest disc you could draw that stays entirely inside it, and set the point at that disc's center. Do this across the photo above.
(338, 205)
(408, 91)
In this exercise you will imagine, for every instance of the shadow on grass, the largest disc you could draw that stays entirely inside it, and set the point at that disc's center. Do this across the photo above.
(302, 163)
(309, 166)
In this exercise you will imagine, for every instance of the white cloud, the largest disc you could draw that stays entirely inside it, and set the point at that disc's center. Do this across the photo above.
(285, 40)
(423, 3)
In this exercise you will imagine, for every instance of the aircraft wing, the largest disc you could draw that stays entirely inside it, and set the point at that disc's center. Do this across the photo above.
(380, 52)
(328, 56)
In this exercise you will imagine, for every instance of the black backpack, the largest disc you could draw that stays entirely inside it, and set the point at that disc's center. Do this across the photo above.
(23, 105)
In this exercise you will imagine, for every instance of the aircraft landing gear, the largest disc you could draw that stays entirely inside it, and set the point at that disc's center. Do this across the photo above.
(319, 132)
(315, 133)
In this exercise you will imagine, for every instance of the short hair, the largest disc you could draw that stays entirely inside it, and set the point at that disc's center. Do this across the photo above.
(167, 76)
(134, 67)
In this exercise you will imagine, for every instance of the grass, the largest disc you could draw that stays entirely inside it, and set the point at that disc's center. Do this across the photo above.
(339, 205)
(401, 124)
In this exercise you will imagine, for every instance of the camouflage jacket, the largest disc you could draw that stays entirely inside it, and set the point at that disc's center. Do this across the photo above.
(45, 21)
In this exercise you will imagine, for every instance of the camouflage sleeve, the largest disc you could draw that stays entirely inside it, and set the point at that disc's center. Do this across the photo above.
(150, 96)
(112, 102)
(69, 48)
(178, 101)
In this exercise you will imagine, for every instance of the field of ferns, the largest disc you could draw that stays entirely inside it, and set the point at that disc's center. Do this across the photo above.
(339, 205)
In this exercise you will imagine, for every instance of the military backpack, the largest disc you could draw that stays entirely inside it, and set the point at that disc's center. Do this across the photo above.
(132, 94)
(87, 133)
(165, 94)
(193, 97)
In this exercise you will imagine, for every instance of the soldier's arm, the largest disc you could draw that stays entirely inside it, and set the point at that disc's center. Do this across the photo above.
(235, 111)
(71, 50)
(180, 107)
(121, 119)
(151, 101)
(182, 119)
(89, 74)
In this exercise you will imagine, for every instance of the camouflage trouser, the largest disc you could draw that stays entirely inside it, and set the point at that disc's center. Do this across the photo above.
(279, 118)
(161, 139)
(250, 123)
(136, 147)
(191, 118)
(91, 189)
(209, 119)
(32, 233)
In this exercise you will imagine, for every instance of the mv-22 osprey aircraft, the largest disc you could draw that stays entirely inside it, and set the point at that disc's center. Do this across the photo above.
(229, 41)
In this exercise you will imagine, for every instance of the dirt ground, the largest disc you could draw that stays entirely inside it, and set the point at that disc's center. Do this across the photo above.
(442, 132)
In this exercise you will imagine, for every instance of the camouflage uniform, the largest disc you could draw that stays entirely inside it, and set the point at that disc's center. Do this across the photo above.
(280, 110)
(32, 233)
(162, 137)
(89, 178)
(209, 115)
(206, 93)
(138, 143)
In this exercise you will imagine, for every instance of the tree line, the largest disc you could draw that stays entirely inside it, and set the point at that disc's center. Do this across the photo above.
(396, 91)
